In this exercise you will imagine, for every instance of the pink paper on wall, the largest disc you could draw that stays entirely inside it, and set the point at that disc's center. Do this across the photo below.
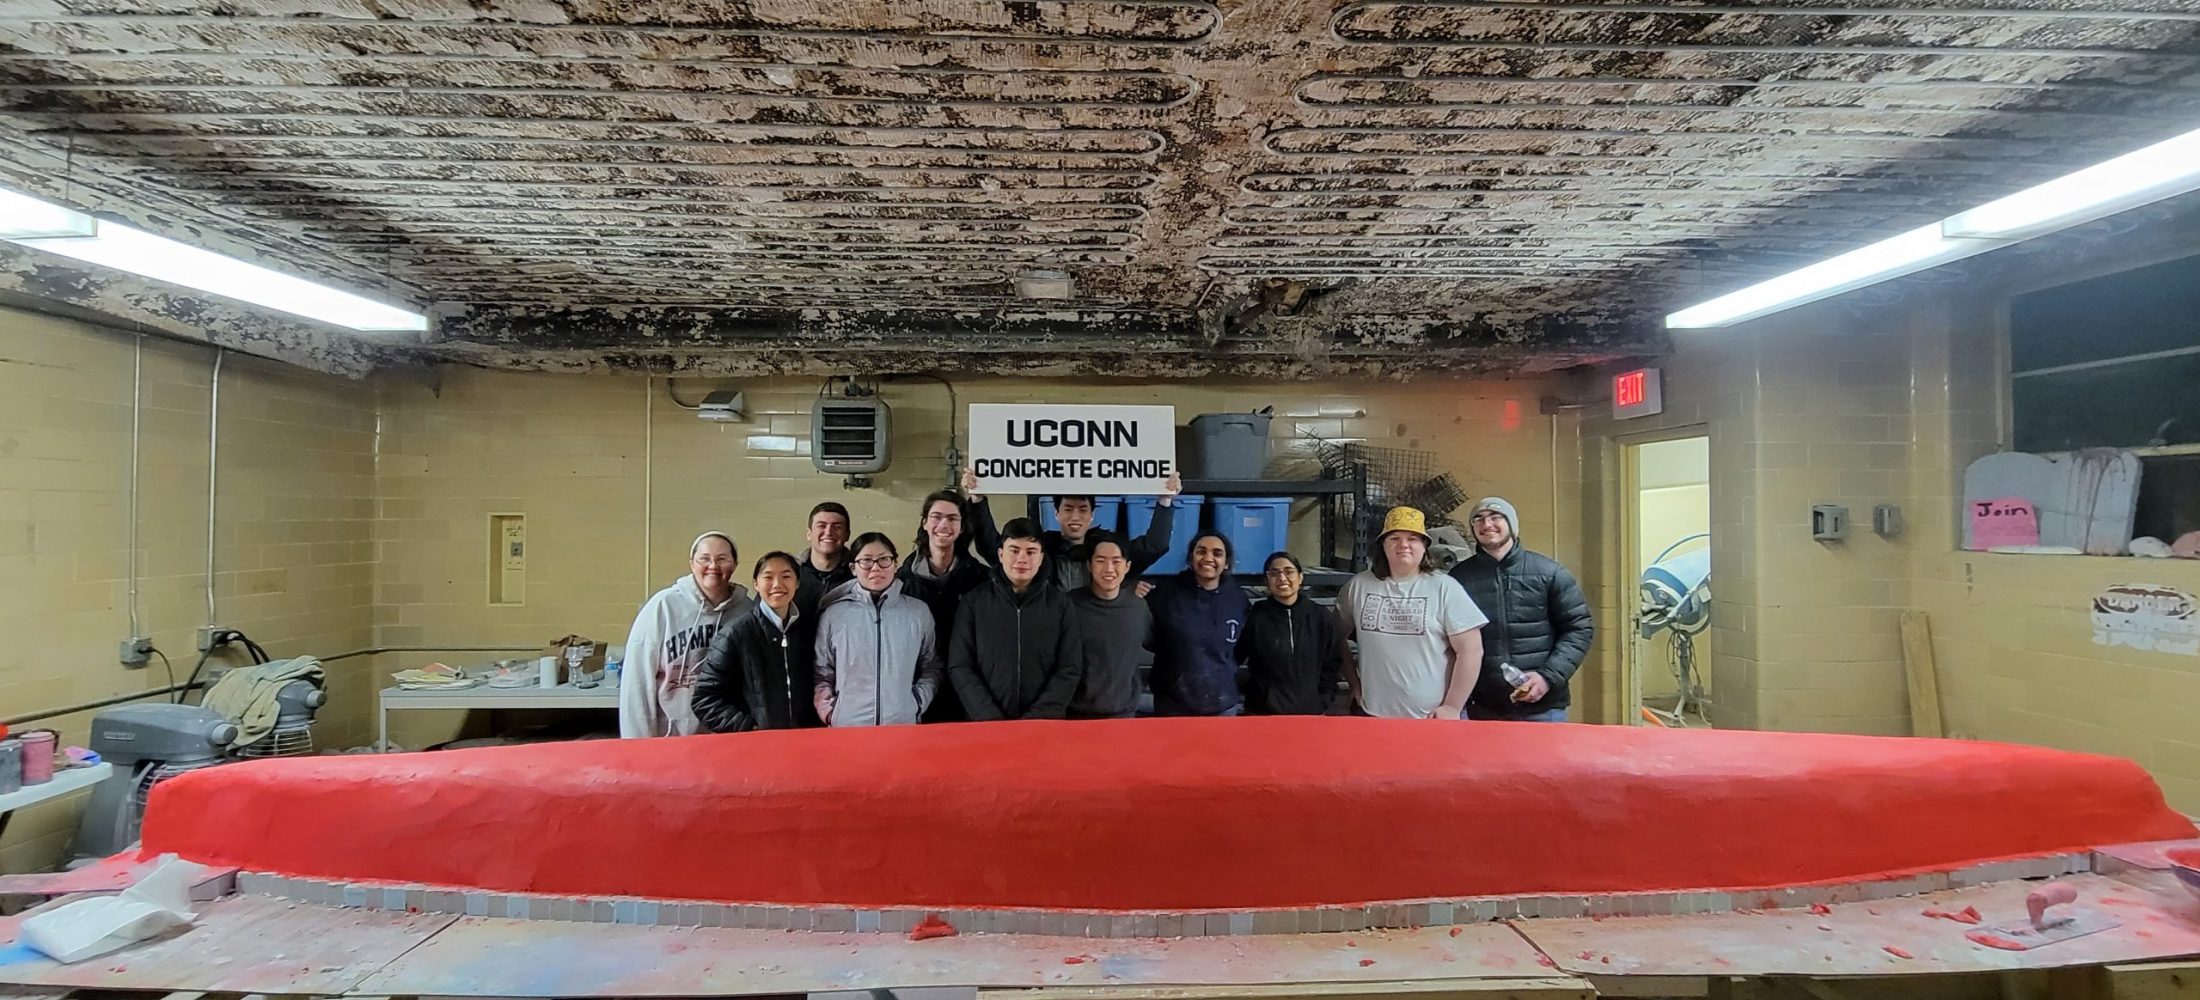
(2006, 521)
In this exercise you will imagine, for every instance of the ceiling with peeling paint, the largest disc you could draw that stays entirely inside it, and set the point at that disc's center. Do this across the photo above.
(1268, 187)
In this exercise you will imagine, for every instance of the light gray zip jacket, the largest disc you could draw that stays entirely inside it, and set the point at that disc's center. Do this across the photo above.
(878, 663)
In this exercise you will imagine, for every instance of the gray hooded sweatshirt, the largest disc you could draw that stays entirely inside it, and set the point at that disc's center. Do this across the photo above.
(877, 657)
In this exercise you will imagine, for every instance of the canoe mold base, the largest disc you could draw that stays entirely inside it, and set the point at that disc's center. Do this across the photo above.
(1111, 924)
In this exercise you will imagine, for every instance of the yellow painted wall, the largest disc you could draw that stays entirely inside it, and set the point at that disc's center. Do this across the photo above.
(611, 474)
(1832, 404)
(292, 568)
(2013, 633)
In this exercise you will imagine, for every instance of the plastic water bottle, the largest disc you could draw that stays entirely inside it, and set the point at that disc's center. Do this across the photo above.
(611, 667)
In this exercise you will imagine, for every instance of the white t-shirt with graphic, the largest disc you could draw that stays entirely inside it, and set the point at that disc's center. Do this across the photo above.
(1404, 628)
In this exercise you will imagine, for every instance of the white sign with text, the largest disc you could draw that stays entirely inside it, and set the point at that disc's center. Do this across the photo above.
(1052, 450)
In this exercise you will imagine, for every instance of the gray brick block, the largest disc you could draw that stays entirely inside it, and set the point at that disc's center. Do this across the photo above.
(477, 904)
(519, 907)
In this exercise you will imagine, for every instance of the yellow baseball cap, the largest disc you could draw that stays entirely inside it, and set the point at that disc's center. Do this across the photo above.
(1406, 519)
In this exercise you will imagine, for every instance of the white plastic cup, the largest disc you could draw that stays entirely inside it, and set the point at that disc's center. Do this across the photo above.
(547, 672)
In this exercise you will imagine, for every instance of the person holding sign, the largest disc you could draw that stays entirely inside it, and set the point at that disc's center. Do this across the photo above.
(1198, 617)
(1066, 551)
(1018, 650)
(878, 663)
(1420, 635)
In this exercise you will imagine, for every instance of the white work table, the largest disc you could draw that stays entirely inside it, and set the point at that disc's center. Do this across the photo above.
(483, 696)
(72, 780)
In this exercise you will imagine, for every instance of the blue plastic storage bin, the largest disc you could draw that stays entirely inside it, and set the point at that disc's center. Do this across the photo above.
(1138, 515)
(1255, 526)
(1105, 510)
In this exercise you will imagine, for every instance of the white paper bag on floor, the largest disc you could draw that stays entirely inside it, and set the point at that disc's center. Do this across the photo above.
(160, 902)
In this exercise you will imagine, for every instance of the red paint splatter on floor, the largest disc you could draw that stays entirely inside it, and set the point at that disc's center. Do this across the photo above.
(1967, 915)
(931, 927)
(1545, 960)
(1993, 940)
(1349, 943)
(1455, 931)
(1606, 960)
(1365, 962)
(1821, 909)
(1896, 952)
(1587, 955)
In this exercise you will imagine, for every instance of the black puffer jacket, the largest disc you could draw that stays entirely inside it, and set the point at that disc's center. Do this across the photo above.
(1016, 656)
(758, 676)
(1538, 621)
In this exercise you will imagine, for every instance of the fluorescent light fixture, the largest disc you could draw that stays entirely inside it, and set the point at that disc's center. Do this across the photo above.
(1044, 283)
(30, 222)
(1893, 257)
(2159, 171)
(26, 218)
(2162, 170)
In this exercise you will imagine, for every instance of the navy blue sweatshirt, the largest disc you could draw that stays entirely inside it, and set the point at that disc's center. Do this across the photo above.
(1195, 646)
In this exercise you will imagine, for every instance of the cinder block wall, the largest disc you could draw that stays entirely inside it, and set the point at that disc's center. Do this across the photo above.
(294, 494)
(615, 481)
(1834, 403)
(355, 514)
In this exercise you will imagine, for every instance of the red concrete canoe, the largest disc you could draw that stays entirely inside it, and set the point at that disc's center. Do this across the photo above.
(1158, 814)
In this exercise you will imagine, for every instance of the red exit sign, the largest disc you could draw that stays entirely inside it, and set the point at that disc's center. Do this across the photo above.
(1637, 394)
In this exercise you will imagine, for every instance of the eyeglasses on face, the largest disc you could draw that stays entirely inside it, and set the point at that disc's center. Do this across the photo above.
(1284, 571)
(875, 562)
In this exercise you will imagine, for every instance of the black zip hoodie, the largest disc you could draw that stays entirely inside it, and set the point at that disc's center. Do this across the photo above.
(1015, 656)
(758, 675)
(1294, 655)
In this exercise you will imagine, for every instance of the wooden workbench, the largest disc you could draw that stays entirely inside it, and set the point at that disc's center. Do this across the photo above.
(271, 947)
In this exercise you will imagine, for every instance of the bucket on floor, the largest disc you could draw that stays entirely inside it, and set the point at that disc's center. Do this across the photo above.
(1138, 515)
(1255, 526)
(1229, 446)
(1105, 510)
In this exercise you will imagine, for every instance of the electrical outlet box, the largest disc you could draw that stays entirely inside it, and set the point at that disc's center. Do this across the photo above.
(1886, 520)
(206, 636)
(137, 651)
(1829, 522)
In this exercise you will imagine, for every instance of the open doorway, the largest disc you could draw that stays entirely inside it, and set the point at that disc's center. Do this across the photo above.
(1669, 568)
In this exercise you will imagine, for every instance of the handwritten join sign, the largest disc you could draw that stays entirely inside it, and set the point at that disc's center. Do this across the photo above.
(1072, 449)
(2006, 521)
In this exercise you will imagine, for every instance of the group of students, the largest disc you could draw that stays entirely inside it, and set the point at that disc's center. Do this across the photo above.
(1054, 624)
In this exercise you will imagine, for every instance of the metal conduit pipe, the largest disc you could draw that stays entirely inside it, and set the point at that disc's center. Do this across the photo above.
(50, 713)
